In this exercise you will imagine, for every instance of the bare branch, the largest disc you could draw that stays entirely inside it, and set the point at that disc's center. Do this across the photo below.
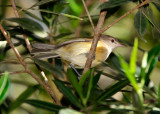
(26, 67)
(126, 14)
(16, 72)
(97, 33)
(30, 49)
(90, 19)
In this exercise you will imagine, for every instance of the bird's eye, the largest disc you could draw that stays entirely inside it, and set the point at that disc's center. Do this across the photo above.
(112, 40)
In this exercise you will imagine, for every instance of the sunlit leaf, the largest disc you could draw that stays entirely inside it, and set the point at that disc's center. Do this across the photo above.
(23, 96)
(69, 111)
(48, 66)
(4, 87)
(134, 57)
(75, 7)
(140, 23)
(128, 73)
(67, 92)
(44, 105)
(30, 25)
(113, 3)
(2, 47)
(159, 95)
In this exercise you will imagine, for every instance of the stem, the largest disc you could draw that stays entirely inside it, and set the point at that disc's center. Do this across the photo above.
(97, 34)
(126, 14)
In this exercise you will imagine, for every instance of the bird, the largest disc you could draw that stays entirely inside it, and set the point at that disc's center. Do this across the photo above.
(76, 51)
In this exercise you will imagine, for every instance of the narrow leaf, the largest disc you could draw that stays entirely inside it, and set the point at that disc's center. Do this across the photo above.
(23, 96)
(84, 77)
(152, 60)
(67, 92)
(140, 22)
(4, 87)
(128, 73)
(74, 81)
(147, 11)
(48, 67)
(113, 3)
(112, 90)
(30, 25)
(134, 57)
(90, 85)
(159, 95)
(44, 105)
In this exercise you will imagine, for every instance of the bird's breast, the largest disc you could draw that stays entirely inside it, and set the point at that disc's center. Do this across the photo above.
(77, 53)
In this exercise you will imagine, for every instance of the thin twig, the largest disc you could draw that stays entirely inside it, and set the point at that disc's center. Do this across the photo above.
(90, 19)
(126, 14)
(97, 33)
(24, 35)
(16, 72)
(56, 100)
(30, 49)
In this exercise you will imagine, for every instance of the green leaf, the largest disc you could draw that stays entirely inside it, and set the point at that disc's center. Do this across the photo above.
(159, 95)
(113, 3)
(140, 22)
(75, 7)
(143, 68)
(157, 6)
(84, 77)
(48, 66)
(128, 73)
(90, 86)
(152, 60)
(69, 111)
(68, 93)
(112, 90)
(74, 81)
(42, 2)
(23, 96)
(4, 87)
(44, 105)
(96, 79)
(147, 11)
(30, 25)
(2, 47)
(134, 57)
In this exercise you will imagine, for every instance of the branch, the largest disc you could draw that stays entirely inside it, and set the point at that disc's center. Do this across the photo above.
(79, 28)
(30, 49)
(90, 19)
(97, 33)
(26, 67)
(126, 14)
(17, 72)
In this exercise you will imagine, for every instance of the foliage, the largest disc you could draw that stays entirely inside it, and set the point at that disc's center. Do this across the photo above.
(58, 21)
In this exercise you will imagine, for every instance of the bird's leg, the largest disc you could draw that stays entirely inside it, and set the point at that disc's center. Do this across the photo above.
(72, 66)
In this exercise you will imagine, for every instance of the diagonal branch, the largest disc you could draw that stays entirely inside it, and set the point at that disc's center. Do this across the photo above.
(25, 65)
(126, 14)
(97, 34)
(90, 19)
(30, 49)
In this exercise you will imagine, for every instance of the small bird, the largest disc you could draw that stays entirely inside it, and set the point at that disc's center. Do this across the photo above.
(76, 51)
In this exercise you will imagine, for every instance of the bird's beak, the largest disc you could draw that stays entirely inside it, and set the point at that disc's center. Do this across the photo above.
(122, 45)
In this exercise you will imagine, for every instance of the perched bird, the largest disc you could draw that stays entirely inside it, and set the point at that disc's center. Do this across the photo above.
(76, 51)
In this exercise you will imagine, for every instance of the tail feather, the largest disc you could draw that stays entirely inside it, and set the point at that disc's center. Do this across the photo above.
(46, 56)
(43, 46)
(43, 51)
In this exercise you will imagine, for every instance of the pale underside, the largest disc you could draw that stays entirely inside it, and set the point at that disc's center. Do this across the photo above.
(76, 53)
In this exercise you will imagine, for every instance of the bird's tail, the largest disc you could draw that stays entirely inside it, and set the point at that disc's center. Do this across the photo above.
(43, 51)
